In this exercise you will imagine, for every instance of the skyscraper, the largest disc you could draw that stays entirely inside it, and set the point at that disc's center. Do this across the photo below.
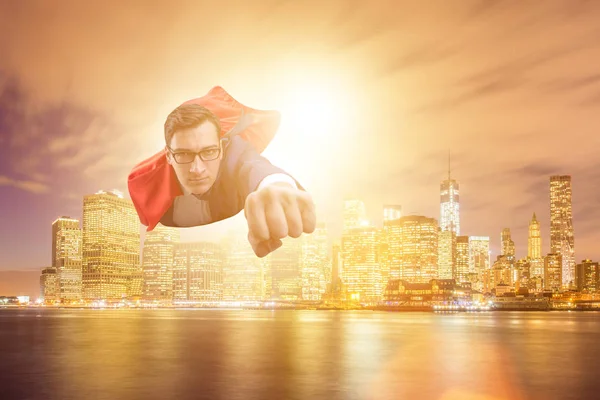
(354, 213)
(157, 263)
(336, 291)
(198, 272)
(361, 273)
(562, 240)
(286, 274)
(67, 258)
(49, 285)
(534, 249)
(521, 273)
(479, 258)
(587, 276)
(389, 250)
(461, 273)
(111, 246)
(506, 261)
(446, 254)
(418, 248)
(244, 274)
(508, 246)
(315, 263)
(383, 252)
(449, 205)
(552, 272)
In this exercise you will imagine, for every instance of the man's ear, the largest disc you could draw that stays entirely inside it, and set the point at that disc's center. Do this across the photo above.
(223, 143)
(169, 160)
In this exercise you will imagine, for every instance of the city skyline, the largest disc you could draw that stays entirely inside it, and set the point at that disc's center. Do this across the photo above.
(390, 89)
(356, 216)
(376, 218)
(105, 253)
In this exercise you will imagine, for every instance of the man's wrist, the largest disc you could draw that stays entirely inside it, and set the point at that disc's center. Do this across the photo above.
(278, 178)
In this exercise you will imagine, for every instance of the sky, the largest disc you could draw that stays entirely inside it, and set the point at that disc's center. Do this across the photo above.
(373, 98)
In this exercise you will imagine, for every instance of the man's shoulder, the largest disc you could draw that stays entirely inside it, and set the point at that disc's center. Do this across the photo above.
(239, 152)
(239, 147)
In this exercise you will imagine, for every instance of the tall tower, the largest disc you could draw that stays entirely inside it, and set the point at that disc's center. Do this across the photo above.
(354, 214)
(111, 247)
(508, 246)
(534, 248)
(157, 263)
(449, 204)
(361, 274)
(67, 258)
(562, 239)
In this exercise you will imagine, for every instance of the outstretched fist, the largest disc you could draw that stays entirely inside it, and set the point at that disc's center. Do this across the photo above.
(276, 211)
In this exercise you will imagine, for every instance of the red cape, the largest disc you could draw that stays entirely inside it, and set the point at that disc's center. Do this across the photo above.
(153, 184)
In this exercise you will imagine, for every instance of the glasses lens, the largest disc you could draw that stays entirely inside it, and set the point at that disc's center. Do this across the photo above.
(184, 157)
(210, 154)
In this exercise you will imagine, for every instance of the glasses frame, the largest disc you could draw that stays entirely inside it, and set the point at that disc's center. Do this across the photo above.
(199, 154)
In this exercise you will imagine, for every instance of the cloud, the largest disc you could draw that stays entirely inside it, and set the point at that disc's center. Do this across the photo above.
(29, 186)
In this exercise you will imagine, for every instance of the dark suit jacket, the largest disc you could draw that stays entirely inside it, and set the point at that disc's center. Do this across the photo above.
(241, 171)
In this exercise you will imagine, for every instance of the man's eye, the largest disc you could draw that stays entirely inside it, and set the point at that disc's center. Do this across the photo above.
(185, 154)
(210, 152)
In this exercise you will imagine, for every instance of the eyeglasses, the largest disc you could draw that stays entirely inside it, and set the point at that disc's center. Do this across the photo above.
(186, 157)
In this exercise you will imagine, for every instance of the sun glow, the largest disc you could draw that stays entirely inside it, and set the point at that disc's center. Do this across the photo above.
(312, 111)
(318, 118)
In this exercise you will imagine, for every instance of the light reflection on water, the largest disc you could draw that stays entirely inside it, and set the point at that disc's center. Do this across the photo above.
(237, 354)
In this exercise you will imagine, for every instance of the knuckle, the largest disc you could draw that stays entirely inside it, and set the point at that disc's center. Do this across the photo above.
(296, 232)
(279, 231)
(268, 191)
(250, 200)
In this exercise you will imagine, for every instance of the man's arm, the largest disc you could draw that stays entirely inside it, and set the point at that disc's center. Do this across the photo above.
(243, 171)
(275, 207)
(277, 178)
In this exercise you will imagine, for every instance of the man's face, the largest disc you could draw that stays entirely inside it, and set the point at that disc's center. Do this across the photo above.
(197, 176)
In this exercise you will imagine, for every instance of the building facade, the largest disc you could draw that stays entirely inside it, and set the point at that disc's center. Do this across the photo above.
(67, 258)
(111, 247)
(361, 272)
(157, 263)
(197, 272)
(562, 238)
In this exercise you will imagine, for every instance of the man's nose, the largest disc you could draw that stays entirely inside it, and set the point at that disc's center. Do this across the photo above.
(197, 166)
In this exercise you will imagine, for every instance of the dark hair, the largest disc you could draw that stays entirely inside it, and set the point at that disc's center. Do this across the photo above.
(189, 116)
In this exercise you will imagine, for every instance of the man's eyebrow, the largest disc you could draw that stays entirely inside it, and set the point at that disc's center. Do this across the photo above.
(212, 146)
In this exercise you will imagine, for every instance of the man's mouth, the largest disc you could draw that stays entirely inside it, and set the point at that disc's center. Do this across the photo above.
(198, 180)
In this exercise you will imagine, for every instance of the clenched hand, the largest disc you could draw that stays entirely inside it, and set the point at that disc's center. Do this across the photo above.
(276, 211)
